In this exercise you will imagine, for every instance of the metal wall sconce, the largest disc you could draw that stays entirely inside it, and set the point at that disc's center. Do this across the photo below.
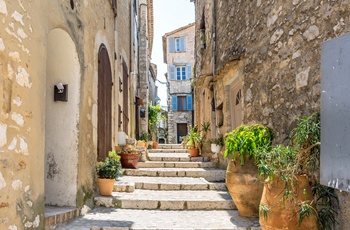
(60, 92)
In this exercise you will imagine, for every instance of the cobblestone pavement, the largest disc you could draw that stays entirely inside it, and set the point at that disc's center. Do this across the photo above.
(120, 219)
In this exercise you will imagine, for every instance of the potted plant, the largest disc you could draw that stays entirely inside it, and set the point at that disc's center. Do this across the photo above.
(192, 140)
(292, 171)
(242, 178)
(204, 144)
(141, 143)
(216, 144)
(154, 111)
(144, 136)
(129, 156)
(107, 172)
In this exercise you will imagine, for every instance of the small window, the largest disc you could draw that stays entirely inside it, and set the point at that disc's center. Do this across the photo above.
(238, 97)
(177, 45)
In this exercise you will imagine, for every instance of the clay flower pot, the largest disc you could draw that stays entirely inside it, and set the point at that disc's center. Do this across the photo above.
(105, 186)
(194, 152)
(244, 186)
(129, 160)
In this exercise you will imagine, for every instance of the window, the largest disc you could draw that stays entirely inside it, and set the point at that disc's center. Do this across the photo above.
(176, 44)
(182, 103)
(182, 72)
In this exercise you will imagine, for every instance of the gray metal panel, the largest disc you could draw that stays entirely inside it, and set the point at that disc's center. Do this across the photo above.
(335, 113)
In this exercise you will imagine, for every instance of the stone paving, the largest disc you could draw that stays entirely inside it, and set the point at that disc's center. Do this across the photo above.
(184, 193)
(125, 219)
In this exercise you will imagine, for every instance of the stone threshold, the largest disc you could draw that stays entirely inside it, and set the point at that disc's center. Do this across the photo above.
(58, 215)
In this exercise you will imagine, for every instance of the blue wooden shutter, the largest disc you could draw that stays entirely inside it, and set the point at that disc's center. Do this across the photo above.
(189, 102)
(174, 103)
(172, 72)
(188, 71)
(182, 44)
(171, 44)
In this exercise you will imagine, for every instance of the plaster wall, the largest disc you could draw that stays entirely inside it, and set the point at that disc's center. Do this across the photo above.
(23, 50)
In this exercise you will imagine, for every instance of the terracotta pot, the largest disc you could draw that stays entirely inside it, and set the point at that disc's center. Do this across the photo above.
(283, 213)
(155, 144)
(141, 143)
(146, 145)
(194, 152)
(129, 160)
(105, 186)
(244, 186)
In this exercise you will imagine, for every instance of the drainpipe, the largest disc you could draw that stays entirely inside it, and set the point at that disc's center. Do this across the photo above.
(214, 37)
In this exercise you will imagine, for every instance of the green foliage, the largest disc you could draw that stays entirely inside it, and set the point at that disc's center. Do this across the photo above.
(111, 168)
(192, 139)
(218, 141)
(263, 210)
(245, 140)
(154, 113)
(145, 136)
(305, 210)
(326, 203)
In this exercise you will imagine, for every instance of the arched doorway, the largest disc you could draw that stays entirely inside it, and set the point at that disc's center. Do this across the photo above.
(104, 104)
(61, 121)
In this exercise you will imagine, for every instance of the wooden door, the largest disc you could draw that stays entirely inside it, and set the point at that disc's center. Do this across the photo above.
(125, 99)
(104, 105)
(181, 131)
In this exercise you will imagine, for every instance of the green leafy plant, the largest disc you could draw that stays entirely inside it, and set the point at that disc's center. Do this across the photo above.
(245, 140)
(192, 139)
(154, 113)
(110, 168)
(218, 141)
(144, 136)
(327, 204)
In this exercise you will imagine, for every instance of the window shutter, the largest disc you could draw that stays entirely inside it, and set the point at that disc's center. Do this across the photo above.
(188, 71)
(171, 41)
(189, 102)
(172, 72)
(174, 103)
(182, 44)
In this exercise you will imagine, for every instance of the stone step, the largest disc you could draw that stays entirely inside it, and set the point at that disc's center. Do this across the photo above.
(102, 218)
(162, 164)
(165, 183)
(209, 174)
(168, 151)
(171, 157)
(170, 146)
(168, 200)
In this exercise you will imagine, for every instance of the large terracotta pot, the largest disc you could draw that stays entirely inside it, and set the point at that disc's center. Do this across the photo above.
(105, 186)
(141, 143)
(283, 214)
(129, 160)
(194, 152)
(244, 186)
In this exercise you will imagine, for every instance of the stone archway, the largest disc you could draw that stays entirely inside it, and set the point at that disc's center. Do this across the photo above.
(61, 121)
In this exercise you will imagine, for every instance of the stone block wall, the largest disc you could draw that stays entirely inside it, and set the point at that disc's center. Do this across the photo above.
(278, 46)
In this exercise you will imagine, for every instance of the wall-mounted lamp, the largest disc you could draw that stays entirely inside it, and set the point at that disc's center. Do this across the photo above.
(60, 92)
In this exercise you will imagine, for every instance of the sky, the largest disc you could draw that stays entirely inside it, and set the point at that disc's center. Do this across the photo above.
(168, 15)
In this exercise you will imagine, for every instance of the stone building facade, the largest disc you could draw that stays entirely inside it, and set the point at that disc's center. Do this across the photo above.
(178, 52)
(62, 66)
(259, 62)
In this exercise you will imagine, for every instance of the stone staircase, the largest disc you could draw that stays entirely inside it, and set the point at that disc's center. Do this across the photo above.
(169, 191)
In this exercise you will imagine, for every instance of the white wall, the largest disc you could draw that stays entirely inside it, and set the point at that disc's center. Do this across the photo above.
(62, 121)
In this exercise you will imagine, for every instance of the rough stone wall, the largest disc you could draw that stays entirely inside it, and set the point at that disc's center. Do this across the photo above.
(144, 66)
(277, 43)
(23, 42)
(181, 87)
